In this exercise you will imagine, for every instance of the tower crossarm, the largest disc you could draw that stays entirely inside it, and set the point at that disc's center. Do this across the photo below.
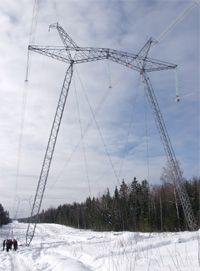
(145, 49)
(89, 54)
(66, 39)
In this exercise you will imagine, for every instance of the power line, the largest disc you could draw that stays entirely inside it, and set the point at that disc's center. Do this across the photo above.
(25, 92)
(33, 30)
(35, 14)
(176, 21)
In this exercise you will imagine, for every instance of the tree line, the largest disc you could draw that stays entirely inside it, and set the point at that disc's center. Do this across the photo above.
(4, 216)
(136, 206)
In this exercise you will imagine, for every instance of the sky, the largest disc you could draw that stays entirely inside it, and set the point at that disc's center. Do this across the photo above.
(122, 141)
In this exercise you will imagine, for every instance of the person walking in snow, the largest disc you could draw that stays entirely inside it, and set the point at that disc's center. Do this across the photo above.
(15, 244)
(8, 245)
(4, 244)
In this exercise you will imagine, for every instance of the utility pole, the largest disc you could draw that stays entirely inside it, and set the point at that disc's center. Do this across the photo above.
(72, 54)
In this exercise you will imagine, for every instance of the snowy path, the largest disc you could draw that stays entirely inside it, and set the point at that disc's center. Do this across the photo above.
(57, 248)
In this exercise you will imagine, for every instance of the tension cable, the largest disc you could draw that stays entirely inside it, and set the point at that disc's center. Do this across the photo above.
(82, 140)
(98, 128)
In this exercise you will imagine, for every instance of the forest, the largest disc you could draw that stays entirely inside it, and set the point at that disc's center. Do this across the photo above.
(4, 216)
(136, 206)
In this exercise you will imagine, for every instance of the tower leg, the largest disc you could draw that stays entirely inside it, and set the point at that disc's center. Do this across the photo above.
(176, 172)
(48, 156)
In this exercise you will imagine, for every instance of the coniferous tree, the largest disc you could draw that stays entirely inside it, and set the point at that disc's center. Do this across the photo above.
(117, 218)
(144, 220)
(4, 216)
(123, 193)
(134, 207)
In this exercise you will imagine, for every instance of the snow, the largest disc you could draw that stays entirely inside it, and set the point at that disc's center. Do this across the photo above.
(59, 248)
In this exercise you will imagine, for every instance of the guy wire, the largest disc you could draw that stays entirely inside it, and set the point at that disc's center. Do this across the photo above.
(82, 139)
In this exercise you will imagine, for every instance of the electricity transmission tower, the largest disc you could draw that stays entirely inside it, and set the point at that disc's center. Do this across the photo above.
(73, 54)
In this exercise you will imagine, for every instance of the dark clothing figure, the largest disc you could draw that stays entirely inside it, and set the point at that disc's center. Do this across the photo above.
(4, 244)
(15, 244)
(8, 245)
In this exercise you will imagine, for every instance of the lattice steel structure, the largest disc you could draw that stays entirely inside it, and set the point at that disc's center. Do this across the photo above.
(73, 54)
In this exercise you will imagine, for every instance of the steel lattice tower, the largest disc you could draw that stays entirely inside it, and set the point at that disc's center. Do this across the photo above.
(73, 54)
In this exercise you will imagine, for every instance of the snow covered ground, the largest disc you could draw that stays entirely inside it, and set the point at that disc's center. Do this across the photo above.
(57, 247)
